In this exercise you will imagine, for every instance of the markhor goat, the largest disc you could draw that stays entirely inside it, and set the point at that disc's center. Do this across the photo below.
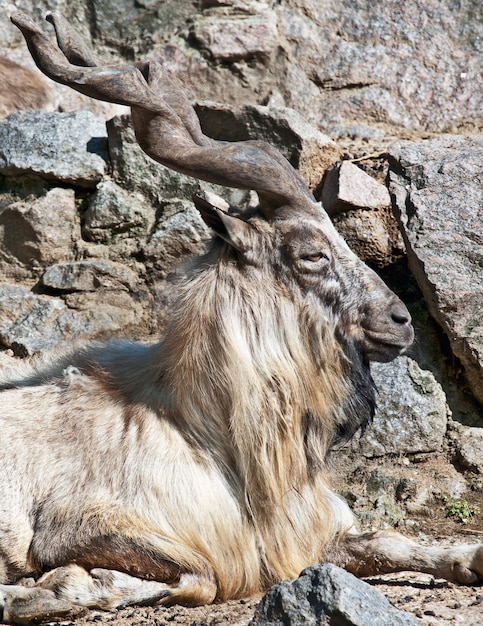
(194, 470)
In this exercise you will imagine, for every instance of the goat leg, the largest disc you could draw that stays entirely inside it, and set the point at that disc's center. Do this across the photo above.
(386, 551)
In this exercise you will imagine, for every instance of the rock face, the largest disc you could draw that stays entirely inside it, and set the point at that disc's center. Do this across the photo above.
(438, 196)
(351, 70)
(327, 595)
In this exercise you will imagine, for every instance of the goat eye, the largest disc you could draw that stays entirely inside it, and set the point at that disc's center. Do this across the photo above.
(315, 258)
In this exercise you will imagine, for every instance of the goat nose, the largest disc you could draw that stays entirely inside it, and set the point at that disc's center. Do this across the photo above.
(400, 314)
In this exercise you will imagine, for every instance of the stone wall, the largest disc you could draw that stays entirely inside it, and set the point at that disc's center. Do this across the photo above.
(360, 97)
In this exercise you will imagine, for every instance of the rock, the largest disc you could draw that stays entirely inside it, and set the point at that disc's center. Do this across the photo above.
(438, 195)
(326, 594)
(66, 147)
(307, 149)
(373, 235)
(347, 187)
(114, 213)
(23, 89)
(469, 446)
(349, 70)
(31, 323)
(411, 414)
(359, 65)
(89, 276)
(230, 39)
(40, 231)
(178, 236)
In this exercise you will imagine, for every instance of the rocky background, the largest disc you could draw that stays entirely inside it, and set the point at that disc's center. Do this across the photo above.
(377, 104)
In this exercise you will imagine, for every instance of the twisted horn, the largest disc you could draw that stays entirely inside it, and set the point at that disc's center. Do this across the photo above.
(166, 125)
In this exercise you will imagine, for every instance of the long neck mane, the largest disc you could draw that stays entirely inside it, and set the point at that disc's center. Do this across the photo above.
(257, 377)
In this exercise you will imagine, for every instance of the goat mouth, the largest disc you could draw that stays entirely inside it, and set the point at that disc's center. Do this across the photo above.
(383, 347)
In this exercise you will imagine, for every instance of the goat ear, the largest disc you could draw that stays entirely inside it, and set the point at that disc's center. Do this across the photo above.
(233, 230)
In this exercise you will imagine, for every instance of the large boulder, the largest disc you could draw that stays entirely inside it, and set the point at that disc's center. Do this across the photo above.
(438, 194)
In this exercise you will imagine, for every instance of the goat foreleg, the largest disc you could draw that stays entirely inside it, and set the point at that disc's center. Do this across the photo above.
(387, 551)
(62, 592)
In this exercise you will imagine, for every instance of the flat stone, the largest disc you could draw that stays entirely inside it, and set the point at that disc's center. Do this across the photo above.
(67, 147)
(235, 38)
(347, 187)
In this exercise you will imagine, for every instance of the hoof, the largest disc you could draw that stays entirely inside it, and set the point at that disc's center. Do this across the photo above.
(35, 606)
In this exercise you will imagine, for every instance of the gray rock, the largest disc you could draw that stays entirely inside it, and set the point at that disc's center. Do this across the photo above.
(31, 323)
(411, 414)
(327, 595)
(469, 448)
(347, 187)
(384, 68)
(66, 147)
(437, 189)
(89, 276)
(114, 213)
(37, 232)
(25, 319)
(180, 235)
(307, 149)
